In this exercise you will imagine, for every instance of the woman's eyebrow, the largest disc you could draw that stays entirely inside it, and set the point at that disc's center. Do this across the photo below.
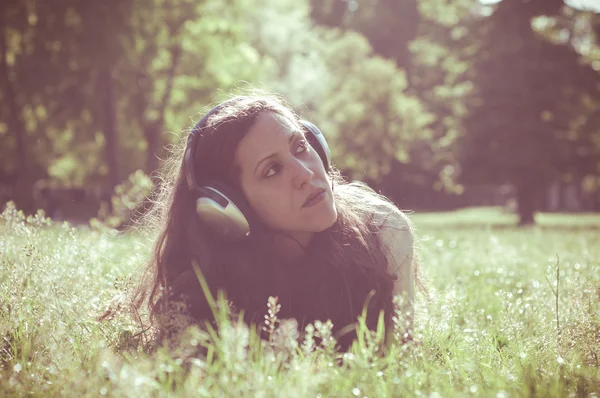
(291, 138)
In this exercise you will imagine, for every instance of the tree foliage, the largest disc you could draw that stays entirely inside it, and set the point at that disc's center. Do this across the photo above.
(89, 89)
(369, 113)
(458, 92)
(335, 78)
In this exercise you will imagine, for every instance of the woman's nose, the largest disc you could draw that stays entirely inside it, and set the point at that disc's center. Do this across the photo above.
(302, 173)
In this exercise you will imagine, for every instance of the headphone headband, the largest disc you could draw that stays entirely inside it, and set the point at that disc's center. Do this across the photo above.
(194, 135)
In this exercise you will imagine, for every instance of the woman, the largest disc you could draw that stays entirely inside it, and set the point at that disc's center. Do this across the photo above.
(255, 206)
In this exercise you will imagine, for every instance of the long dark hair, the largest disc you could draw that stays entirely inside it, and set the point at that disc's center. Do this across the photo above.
(344, 265)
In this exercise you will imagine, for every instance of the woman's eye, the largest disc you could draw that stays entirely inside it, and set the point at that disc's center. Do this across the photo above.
(302, 147)
(276, 168)
(272, 170)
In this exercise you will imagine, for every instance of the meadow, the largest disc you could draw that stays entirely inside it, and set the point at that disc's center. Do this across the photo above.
(515, 313)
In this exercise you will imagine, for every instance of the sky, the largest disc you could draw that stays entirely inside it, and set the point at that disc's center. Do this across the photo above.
(581, 4)
(588, 4)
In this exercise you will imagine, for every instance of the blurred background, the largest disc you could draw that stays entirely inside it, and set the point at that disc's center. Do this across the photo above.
(438, 104)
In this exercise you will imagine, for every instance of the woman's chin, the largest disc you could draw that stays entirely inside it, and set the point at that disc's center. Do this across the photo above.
(327, 220)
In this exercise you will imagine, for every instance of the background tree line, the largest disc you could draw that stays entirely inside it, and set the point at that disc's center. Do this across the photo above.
(430, 101)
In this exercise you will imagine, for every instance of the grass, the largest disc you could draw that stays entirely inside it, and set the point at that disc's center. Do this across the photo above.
(492, 330)
(497, 217)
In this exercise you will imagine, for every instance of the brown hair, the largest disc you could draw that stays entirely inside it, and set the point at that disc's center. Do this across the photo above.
(342, 266)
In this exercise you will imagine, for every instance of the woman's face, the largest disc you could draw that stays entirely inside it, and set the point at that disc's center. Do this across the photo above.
(279, 172)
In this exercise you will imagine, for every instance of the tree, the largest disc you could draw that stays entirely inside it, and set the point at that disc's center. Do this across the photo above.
(116, 76)
(180, 55)
(335, 78)
(530, 115)
(439, 78)
(13, 113)
(388, 25)
(50, 112)
(369, 114)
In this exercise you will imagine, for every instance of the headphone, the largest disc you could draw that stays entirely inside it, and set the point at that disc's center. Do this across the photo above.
(223, 209)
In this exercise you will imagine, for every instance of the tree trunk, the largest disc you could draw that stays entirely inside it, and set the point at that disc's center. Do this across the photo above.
(153, 128)
(329, 15)
(151, 132)
(23, 186)
(110, 130)
(526, 201)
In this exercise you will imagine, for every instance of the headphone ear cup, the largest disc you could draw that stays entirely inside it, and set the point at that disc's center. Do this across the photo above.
(225, 212)
(318, 142)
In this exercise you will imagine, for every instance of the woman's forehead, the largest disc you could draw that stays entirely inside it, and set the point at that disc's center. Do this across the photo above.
(270, 131)
(270, 125)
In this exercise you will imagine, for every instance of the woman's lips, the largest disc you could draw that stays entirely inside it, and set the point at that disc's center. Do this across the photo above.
(315, 199)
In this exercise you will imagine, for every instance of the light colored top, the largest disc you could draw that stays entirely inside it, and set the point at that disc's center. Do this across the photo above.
(397, 238)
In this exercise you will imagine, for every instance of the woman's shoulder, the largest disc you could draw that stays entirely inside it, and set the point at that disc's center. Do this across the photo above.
(381, 211)
(397, 240)
(394, 228)
(387, 215)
